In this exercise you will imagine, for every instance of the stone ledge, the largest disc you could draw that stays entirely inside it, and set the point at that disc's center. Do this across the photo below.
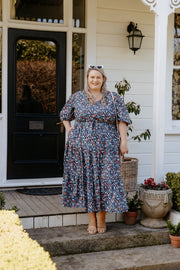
(162, 257)
(75, 239)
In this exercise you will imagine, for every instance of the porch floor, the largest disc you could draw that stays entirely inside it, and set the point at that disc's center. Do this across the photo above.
(32, 206)
(47, 211)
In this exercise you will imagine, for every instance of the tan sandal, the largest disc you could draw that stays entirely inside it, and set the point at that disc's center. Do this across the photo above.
(101, 228)
(92, 229)
(101, 222)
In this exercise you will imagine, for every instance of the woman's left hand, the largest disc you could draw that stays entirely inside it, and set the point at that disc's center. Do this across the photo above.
(123, 148)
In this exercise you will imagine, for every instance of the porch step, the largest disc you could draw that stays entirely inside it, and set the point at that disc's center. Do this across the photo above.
(60, 241)
(161, 257)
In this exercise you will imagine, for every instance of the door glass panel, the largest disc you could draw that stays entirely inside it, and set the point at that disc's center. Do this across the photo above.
(78, 62)
(37, 10)
(0, 70)
(36, 76)
(79, 13)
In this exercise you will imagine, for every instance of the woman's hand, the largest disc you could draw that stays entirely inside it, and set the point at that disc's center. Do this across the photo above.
(123, 138)
(69, 129)
(67, 125)
(123, 148)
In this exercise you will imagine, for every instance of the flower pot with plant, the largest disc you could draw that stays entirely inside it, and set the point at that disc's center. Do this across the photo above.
(156, 202)
(129, 166)
(174, 233)
(133, 204)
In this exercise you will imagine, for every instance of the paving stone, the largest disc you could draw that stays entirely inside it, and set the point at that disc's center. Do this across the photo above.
(163, 257)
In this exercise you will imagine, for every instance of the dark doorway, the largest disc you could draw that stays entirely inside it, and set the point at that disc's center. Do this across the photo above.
(36, 93)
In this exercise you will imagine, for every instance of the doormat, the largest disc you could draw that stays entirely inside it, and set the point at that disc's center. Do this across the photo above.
(41, 191)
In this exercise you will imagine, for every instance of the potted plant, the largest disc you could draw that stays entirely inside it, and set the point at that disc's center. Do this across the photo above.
(174, 233)
(133, 204)
(129, 166)
(156, 202)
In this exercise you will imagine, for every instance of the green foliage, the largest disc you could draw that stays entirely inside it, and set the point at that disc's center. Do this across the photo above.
(122, 87)
(35, 50)
(3, 202)
(173, 181)
(17, 249)
(173, 229)
(133, 203)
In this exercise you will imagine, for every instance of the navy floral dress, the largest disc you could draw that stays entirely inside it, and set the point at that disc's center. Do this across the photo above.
(92, 177)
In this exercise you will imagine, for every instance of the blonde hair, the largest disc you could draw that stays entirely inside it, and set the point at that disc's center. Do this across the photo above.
(88, 93)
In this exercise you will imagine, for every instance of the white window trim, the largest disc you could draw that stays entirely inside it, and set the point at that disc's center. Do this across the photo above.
(172, 126)
(90, 56)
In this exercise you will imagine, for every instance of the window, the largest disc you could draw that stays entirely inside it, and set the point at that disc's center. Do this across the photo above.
(78, 62)
(176, 70)
(36, 76)
(50, 11)
(79, 13)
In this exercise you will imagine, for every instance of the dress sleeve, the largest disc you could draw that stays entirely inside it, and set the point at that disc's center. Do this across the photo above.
(121, 110)
(67, 112)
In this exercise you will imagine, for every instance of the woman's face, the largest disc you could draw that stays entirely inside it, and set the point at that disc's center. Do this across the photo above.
(95, 80)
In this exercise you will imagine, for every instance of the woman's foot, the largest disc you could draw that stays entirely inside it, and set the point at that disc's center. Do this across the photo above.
(101, 222)
(92, 229)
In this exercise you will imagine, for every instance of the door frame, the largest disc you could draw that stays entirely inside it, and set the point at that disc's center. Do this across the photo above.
(59, 38)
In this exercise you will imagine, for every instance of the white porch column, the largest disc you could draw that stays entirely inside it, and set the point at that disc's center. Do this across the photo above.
(162, 8)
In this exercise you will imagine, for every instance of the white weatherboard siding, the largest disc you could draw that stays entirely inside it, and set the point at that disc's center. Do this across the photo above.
(113, 18)
(113, 52)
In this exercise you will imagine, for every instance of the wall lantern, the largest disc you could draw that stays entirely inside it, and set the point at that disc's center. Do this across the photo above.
(135, 37)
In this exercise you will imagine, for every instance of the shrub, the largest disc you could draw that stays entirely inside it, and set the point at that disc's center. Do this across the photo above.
(18, 251)
(173, 181)
(173, 229)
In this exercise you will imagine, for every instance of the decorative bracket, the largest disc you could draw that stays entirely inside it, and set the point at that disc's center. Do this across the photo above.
(156, 5)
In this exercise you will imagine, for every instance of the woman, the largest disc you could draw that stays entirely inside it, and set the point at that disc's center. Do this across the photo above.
(92, 178)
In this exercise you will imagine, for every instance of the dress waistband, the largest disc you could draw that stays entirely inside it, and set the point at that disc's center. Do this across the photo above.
(96, 121)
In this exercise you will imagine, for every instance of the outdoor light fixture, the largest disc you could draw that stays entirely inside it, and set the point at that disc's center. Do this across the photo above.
(135, 37)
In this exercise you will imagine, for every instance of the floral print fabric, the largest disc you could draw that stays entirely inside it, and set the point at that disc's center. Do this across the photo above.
(92, 177)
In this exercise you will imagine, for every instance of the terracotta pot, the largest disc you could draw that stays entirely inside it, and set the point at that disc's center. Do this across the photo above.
(175, 241)
(130, 217)
(155, 206)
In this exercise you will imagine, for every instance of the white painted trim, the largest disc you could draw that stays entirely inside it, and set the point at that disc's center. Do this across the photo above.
(32, 182)
(91, 6)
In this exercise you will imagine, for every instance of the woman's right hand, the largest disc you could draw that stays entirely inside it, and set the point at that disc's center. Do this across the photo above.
(69, 129)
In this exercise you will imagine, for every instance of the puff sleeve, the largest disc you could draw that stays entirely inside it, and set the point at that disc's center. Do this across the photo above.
(67, 112)
(121, 110)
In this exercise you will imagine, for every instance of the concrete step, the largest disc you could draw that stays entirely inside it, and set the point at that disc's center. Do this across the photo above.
(161, 257)
(75, 239)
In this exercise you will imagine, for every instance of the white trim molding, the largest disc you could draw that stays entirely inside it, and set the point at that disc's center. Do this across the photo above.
(156, 5)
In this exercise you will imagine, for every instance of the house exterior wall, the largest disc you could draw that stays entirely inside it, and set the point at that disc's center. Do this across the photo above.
(113, 52)
(113, 18)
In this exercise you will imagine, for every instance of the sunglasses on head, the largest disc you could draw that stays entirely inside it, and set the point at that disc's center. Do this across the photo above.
(98, 67)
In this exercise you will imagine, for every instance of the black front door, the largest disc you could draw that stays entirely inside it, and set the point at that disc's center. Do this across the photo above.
(36, 93)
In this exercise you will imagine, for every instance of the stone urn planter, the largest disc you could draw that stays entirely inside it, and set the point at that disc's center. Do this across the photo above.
(155, 206)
